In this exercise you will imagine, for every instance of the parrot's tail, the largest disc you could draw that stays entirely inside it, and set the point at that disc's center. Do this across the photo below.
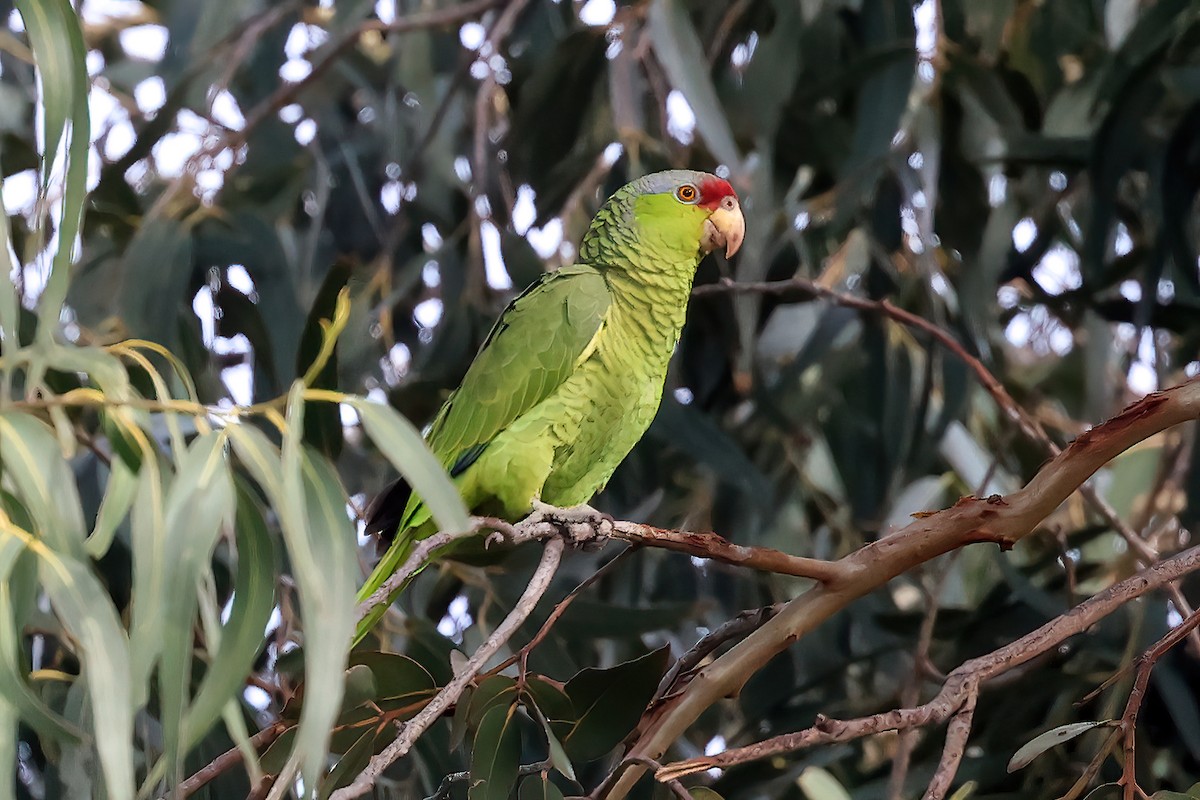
(392, 560)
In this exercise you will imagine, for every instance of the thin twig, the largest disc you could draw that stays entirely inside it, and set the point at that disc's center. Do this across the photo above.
(911, 694)
(412, 730)
(230, 758)
(744, 623)
(957, 733)
(559, 608)
(447, 784)
(961, 683)
(1145, 665)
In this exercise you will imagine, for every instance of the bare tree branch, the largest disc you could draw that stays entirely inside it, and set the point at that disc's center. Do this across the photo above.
(717, 548)
(412, 730)
(1128, 726)
(960, 685)
(803, 288)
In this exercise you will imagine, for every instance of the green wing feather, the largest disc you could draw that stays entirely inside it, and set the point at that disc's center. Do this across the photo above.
(534, 346)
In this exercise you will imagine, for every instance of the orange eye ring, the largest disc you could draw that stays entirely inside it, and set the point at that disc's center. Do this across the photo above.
(687, 193)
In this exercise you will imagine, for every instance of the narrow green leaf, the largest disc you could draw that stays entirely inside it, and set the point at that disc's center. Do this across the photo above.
(307, 494)
(538, 787)
(14, 560)
(198, 504)
(60, 54)
(817, 784)
(32, 460)
(8, 742)
(351, 762)
(1051, 738)
(242, 635)
(682, 56)
(403, 446)
(964, 792)
(558, 755)
(114, 508)
(148, 536)
(10, 304)
(85, 610)
(495, 755)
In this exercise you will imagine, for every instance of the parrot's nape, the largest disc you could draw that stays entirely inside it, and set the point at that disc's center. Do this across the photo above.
(571, 375)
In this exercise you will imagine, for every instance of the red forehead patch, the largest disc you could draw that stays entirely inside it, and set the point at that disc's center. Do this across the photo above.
(713, 191)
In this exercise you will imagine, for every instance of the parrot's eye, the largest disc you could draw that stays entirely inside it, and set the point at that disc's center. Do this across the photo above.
(687, 193)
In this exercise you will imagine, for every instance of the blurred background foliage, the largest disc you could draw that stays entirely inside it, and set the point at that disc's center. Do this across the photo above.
(1022, 173)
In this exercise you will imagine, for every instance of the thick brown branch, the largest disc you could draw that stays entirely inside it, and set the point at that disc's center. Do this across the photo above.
(736, 628)
(803, 288)
(960, 684)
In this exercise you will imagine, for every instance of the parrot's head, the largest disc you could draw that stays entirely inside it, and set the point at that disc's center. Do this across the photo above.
(677, 217)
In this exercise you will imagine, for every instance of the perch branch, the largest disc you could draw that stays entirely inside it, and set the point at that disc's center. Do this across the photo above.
(540, 525)
(412, 730)
(1003, 520)
(961, 685)
(717, 548)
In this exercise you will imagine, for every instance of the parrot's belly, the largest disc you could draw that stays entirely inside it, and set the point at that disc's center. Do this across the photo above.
(566, 448)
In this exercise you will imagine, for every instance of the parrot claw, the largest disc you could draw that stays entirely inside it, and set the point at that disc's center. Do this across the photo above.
(581, 524)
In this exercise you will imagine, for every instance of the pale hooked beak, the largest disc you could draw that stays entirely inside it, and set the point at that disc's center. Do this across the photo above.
(725, 227)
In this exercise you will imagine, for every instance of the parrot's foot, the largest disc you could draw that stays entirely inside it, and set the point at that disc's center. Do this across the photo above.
(582, 525)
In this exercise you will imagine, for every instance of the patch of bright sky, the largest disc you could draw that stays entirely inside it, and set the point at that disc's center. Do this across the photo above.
(1058, 271)
(493, 257)
(681, 120)
(20, 192)
(997, 190)
(1142, 377)
(237, 277)
(715, 746)
(472, 35)
(1122, 241)
(431, 274)
(205, 311)
(744, 51)
(225, 110)
(548, 239)
(457, 619)
(597, 12)
(96, 12)
(150, 95)
(389, 196)
(524, 211)
(924, 19)
(1023, 234)
(145, 42)
(428, 313)
(306, 130)
(386, 11)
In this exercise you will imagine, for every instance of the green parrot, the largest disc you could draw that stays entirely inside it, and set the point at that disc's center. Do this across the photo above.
(571, 375)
